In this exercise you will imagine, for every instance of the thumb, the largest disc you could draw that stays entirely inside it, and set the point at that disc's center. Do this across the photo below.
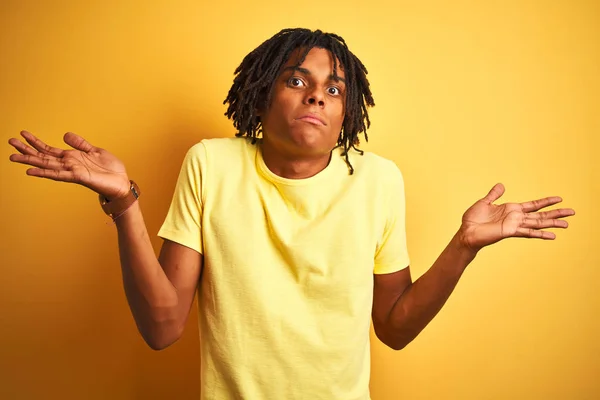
(77, 142)
(494, 194)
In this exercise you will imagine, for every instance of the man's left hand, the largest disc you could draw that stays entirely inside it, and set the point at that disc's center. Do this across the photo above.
(485, 223)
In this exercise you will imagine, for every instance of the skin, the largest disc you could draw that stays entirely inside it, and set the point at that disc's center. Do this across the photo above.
(160, 292)
(295, 147)
(401, 308)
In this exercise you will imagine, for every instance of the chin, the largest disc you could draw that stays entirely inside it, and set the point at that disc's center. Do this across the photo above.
(311, 142)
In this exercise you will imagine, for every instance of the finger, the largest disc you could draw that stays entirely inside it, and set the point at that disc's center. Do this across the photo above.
(78, 142)
(544, 223)
(22, 147)
(40, 162)
(535, 205)
(41, 146)
(55, 175)
(494, 194)
(558, 213)
(534, 234)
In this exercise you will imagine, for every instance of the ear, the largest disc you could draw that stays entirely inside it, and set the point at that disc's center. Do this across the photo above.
(260, 106)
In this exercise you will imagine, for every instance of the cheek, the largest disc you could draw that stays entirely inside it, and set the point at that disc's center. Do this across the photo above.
(272, 117)
(339, 114)
(281, 108)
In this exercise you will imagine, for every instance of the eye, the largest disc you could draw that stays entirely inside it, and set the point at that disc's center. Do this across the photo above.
(295, 82)
(333, 90)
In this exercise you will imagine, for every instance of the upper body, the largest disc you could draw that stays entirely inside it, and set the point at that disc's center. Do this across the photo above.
(290, 240)
(286, 293)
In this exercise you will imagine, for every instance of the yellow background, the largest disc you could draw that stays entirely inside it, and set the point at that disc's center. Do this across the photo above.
(468, 94)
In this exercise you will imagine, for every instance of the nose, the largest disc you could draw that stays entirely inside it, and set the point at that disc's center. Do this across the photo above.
(315, 98)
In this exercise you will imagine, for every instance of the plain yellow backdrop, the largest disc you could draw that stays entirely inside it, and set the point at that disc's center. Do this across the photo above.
(468, 94)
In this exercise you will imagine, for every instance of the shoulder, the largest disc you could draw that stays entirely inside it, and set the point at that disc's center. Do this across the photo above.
(217, 150)
(226, 145)
(220, 158)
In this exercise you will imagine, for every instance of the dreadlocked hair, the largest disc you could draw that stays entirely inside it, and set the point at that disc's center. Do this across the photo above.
(255, 78)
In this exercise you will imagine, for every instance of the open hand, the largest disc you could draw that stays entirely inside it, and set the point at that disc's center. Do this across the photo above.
(485, 223)
(86, 165)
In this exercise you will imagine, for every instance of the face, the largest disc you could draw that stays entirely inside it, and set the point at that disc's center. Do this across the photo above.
(307, 107)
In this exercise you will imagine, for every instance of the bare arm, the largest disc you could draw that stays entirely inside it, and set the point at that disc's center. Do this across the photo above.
(401, 309)
(160, 292)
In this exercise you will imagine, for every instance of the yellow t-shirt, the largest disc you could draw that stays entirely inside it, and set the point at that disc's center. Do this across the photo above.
(286, 293)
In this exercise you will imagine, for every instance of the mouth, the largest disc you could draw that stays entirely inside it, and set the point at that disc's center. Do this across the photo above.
(312, 119)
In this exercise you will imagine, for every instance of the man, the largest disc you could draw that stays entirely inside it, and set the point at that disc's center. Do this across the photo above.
(293, 236)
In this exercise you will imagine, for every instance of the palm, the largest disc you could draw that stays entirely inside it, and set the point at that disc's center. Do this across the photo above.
(485, 223)
(495, 222)
(86, 165)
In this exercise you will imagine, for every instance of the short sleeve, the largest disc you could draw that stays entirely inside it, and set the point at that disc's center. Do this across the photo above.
(392, 252)
(183, 223)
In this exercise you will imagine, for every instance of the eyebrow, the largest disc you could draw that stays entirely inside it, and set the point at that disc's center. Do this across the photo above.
(307, 72)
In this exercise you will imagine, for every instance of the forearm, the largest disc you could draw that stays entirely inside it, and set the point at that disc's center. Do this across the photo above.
(151, 296)
(421, 301)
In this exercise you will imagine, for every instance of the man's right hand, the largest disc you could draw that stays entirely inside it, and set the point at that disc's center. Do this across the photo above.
(86, 165)
(160, 291)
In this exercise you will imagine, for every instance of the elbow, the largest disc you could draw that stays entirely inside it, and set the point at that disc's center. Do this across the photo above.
(160, 334)
(396, 345)
(161, 339)
(158, 345)
(394, 342)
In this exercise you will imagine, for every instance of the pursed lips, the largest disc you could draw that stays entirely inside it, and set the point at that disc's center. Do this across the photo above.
(312, 119)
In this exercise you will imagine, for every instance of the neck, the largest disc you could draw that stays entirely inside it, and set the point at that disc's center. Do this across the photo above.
(293, 166)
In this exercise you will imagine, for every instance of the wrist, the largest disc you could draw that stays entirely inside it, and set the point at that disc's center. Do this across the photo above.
(116, 206)
(463, 246)
(121, 193)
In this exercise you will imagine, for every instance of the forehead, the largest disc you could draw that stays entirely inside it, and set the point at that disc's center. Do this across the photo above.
(316, 60)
